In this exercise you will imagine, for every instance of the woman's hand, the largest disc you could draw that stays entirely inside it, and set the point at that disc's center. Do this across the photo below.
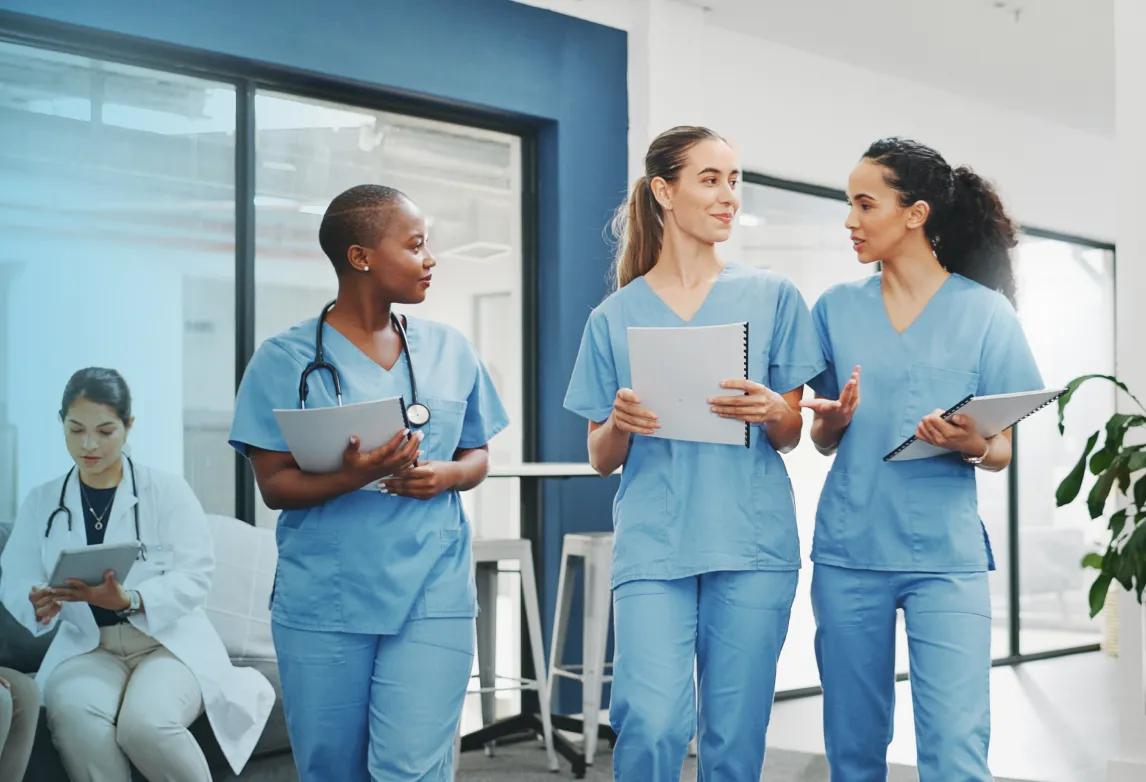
(837, 413)
(108, 594)
(422, 481)
(44, 603)
(397, 454)
(957, 433)
(757, 405)
(630, 417)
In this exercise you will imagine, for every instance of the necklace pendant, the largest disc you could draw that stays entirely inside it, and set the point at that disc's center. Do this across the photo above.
(99, 525)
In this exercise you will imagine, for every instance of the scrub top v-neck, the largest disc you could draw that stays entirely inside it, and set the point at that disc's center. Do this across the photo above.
(685, 508)
(919, 515)
(366, 562)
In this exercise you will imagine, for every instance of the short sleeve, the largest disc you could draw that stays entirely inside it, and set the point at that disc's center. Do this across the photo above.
(824, 384)
(794, 355)
(593, 385)
(1006, 365)
(485, 415)
(270, 382)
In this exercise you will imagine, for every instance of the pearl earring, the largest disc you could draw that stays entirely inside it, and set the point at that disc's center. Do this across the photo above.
(365, 268)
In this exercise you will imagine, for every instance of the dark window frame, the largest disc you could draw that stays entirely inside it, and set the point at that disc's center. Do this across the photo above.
(247, 77)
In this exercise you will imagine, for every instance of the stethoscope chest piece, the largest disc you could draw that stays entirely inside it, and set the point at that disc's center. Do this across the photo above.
(418, 414)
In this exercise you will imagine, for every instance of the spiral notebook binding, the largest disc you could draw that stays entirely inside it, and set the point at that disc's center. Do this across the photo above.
(962, 402)
(747, 428)
(1040, 407)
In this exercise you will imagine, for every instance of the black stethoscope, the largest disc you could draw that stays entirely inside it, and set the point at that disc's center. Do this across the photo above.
(417, 414)
(62, 507)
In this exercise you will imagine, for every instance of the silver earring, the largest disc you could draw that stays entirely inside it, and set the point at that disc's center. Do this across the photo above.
(365, 268)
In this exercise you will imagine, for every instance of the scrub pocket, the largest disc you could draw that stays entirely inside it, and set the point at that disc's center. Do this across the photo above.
(450, 588)
(930, 388)
(774, 525)
(944, 518)
(645, 531)
(444, 429)
(308, 578)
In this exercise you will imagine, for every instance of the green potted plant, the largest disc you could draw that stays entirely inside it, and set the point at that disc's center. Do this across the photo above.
(1114, 464)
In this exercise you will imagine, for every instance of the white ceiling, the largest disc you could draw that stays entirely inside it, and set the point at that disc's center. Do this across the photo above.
(1050, 58)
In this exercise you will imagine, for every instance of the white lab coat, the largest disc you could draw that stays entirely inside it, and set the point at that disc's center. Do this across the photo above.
(174, 581)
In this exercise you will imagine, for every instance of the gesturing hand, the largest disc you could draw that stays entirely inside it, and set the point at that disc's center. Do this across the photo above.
(837, 413)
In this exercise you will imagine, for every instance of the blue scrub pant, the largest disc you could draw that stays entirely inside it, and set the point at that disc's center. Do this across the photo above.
(948, 621)
(375, 707)
(731, 625)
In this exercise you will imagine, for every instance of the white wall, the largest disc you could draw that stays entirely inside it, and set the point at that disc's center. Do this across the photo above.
(1130, 28)
(805, 117)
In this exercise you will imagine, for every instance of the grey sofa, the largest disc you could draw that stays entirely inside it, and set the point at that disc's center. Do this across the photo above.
(21, 651)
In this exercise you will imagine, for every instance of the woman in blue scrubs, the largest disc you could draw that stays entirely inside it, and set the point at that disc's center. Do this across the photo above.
(706, 555)
(935, 324)
(374, 601)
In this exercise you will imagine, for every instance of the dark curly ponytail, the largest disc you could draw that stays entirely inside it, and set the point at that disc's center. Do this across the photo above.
(968, 226)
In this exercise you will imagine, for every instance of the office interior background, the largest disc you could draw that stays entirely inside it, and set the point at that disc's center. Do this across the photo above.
(164, 169)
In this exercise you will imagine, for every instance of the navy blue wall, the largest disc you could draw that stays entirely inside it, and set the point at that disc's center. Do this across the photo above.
(566, 75)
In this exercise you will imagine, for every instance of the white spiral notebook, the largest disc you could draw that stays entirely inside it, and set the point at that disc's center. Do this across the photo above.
(991, 414)
(675, 371)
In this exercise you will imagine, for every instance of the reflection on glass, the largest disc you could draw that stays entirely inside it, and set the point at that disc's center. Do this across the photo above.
(1066, 301)
(468, 184)
(118, 227)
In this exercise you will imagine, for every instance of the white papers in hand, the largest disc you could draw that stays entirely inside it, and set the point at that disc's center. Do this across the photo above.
(676, 370)
(318, 436)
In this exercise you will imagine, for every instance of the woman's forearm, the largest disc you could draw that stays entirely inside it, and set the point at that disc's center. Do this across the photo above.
(826, 434)
(471, 465)
(608, 447)
(785, 433)
(290, 488)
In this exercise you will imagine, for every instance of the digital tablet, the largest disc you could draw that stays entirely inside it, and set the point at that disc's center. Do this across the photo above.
(89, 563)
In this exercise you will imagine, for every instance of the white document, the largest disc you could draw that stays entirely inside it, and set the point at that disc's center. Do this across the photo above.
(991, 414)
(89, 563)
(318, 436)
(676, 370)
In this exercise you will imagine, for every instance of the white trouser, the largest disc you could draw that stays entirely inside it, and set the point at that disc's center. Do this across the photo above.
(19, 713)
(127, 700)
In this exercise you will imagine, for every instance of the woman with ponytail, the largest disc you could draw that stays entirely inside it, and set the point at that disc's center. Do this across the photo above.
(705, 554)
(933, 326)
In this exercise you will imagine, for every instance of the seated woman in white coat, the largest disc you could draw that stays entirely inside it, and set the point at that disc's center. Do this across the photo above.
(133, 664)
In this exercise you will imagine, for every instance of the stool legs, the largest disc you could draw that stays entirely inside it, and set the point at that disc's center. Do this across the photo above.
(598, 603)
(560, 620)
(533, 621)
(485, 574)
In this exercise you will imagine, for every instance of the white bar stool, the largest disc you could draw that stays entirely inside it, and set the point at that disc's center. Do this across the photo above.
(487, 554)
(596, 552)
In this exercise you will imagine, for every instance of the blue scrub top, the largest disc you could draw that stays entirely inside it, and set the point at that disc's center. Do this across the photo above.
(919, 515)
(685, 508)
(365, 562)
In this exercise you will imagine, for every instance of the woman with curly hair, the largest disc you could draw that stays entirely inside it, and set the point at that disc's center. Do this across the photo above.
(933, 326)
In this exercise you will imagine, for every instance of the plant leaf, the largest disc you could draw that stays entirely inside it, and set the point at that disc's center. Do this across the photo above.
(1092, 560)
(1073, 386)
(1137, 460)
(1097, 596)
(1117, 522)
(1096, 500)
(1072, 483)
(1101, 460)
(1139, 491)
